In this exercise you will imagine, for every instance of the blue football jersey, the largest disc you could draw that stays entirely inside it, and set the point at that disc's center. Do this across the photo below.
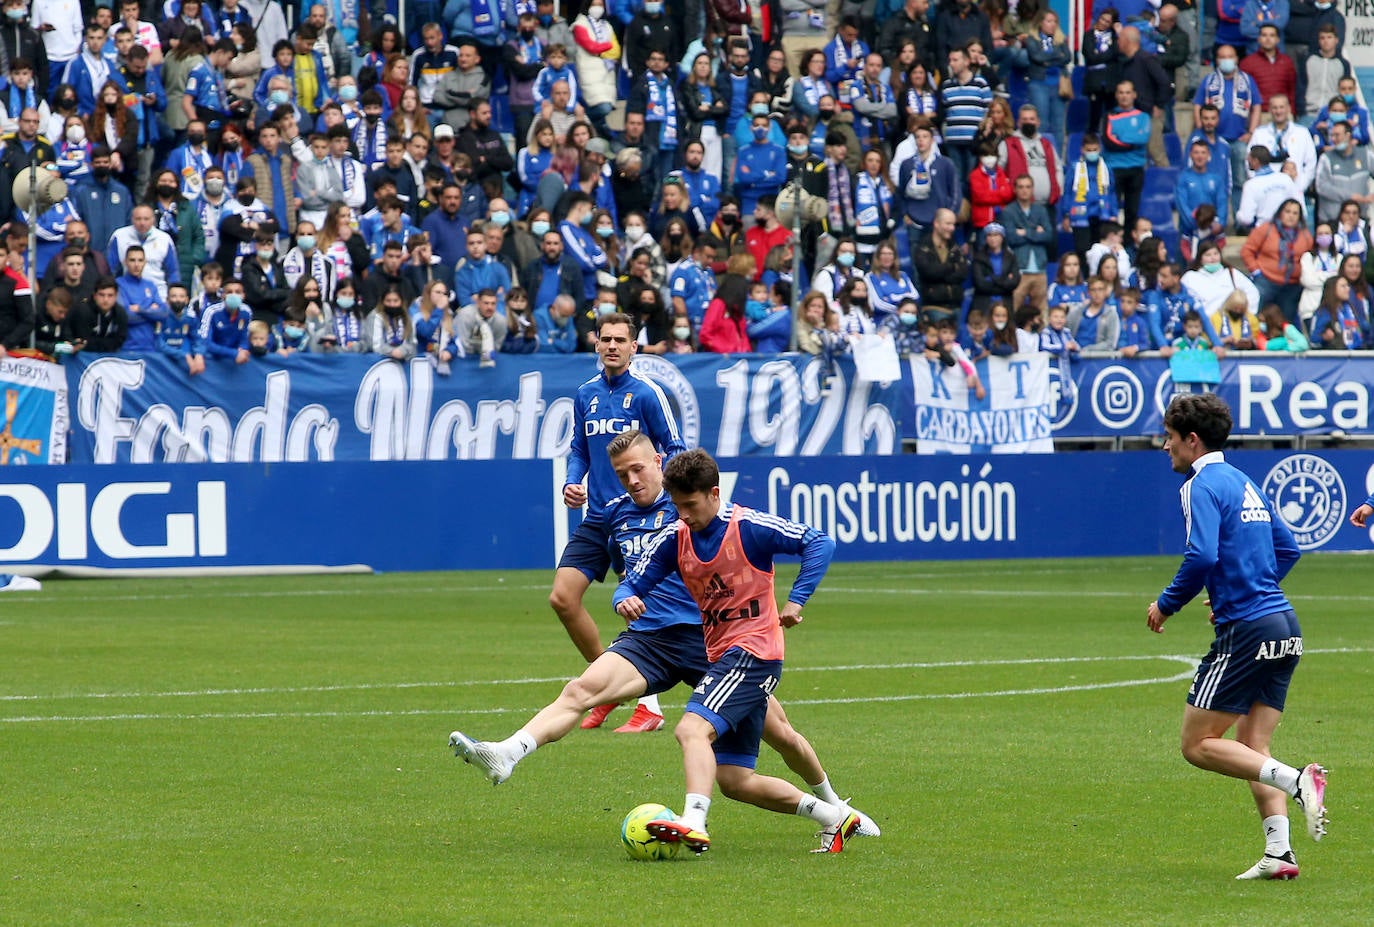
(631, 527)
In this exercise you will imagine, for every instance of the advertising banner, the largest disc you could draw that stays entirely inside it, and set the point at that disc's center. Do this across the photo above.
(145, 409)
(1269, 394)
(35, 403)
(473, 515)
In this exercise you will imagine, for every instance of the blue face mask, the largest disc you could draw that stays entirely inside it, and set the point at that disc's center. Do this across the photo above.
(278, 97)
(501, 217)
(1349, 99)
(798, 149)
(586, 219)
(346, 302)
(758, 109)
(845, 259)
(760, 132)
(1338, 117)
(233, 301)
(546, 21)
(1091, 156)
(1226, 65)
(15, 15)
(909, 318)
(539, 227)
(306, 242)
(348, 93)
(292, 331)
(653, 9)
(604, 232)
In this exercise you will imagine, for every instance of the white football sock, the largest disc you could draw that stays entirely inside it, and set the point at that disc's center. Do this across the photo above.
(518, 745)
(651, 703)
(1279, 776)
(825, 792)
(694, 808)
(1276, 835)
(822, 812)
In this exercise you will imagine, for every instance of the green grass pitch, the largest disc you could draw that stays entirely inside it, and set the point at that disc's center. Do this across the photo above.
(273, 751)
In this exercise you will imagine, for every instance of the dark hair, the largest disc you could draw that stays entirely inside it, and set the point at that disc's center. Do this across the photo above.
(105, 283)
(691, 472)
(1203, 414)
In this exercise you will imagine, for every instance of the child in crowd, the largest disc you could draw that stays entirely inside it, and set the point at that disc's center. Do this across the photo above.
(290, 335)
(1069, 288)
(907, 329)
(948, 335)
(179, 335)
(1135, 328)
(1090, 196)
(1056, 339)
(522, 334)
(1279, 334)
(1193, 335)
(1095, 327)
(680, 335)
(1002, 337)
(1112, 241)
(1028, 324)
(976, 339)
(259, 338)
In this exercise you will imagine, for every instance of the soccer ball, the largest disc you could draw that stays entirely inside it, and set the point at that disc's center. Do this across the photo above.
(636, 838)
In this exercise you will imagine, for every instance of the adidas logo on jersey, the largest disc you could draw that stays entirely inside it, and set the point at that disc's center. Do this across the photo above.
(717, 588)
(1253, 507)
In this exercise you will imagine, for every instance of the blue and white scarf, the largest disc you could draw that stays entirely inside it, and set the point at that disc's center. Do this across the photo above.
(1214, 92)
(662, 108)
(486, 18)
(20, 100)
(371, 146)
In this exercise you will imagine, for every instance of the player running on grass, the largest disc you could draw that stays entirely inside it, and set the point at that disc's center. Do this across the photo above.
(615, 400)
(1239, 551)
(725, 558)
(661, 648)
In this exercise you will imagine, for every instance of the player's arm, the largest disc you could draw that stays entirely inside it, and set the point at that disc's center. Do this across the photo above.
(658, 560)
(1202, 514)
(660, 424)
(1286, 551)
(763, 535)
(578, 460)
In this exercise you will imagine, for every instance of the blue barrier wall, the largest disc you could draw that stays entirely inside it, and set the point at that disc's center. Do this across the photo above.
(428, 515)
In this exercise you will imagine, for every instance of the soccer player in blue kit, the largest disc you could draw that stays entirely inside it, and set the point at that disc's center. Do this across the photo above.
(1239, 551)
(663, 647)
(617, 399)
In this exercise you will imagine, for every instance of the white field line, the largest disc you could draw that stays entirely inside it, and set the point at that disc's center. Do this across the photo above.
(1003, 693)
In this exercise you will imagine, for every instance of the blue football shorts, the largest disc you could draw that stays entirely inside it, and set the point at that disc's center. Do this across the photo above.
(666, 656)
(1250, 661)
(733, 696)
(589, 550)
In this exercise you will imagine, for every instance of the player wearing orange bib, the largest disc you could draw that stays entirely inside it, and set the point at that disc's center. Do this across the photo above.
(725, 557)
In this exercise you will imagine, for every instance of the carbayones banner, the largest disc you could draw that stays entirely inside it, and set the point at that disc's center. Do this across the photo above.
(145, 409)
(1011, 417)
(1269, 394)
(34, 393)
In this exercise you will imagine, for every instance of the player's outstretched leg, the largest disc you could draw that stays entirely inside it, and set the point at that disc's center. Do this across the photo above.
(800, 757)
(610, 677)
(492, 760)
(741, 783)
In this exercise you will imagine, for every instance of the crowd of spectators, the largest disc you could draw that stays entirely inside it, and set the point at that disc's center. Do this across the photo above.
(489, 176)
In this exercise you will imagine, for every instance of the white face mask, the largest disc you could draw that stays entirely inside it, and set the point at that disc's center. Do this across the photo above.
(682, 333)
(634, 231)
(596, 12)
(999, 325)
(989, 161)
